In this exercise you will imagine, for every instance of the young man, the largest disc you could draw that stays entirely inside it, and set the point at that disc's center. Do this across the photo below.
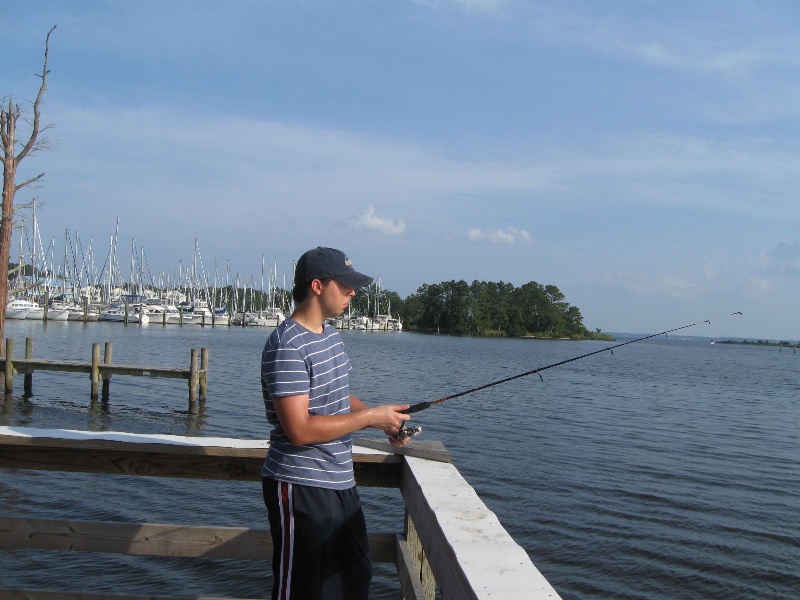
(317, 525)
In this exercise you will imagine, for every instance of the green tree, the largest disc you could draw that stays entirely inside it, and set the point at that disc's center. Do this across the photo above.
(479, 308)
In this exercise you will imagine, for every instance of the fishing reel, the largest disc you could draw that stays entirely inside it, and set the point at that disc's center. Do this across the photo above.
(407, 432)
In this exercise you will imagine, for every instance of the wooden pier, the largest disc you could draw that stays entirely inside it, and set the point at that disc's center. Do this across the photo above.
(196, 375)
(452, 544)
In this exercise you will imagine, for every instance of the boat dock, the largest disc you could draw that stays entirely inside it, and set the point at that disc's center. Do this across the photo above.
(196, 374)
(452, 546)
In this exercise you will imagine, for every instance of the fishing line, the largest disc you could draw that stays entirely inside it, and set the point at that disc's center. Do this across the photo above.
(414, 430)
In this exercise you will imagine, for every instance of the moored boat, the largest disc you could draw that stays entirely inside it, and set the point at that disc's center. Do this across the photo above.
(122, 313)
(18, 308)
(269, 317)
(35, 313)
(57, 311)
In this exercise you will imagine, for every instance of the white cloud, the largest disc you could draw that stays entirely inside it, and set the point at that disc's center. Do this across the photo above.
(367, 221)
(498, 236)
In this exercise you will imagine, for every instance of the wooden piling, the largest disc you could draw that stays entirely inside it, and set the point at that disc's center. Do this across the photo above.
(204, 359)
(107, 357)
(193, 377)
(9, 365)
(95, 371)
(28, 376)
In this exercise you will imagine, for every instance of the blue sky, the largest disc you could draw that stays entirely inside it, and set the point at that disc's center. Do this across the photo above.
(643, 156)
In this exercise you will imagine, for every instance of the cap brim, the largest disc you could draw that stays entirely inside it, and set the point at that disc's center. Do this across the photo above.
(354, 279)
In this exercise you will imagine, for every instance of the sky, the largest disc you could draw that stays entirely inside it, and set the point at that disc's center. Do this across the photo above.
(642, 156)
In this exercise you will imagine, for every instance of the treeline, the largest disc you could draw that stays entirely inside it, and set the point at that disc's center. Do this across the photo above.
(489, 308)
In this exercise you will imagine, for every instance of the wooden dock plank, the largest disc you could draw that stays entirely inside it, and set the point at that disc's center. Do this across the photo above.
(150, 539)
(118, 453)
(428, 449)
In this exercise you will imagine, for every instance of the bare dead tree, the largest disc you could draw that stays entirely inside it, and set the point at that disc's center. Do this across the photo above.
(11, 159)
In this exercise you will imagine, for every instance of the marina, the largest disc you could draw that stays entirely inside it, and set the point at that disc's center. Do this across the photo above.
(668, 470)
(78, 289)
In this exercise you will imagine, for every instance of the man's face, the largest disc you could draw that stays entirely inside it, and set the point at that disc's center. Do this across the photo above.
(335, 297)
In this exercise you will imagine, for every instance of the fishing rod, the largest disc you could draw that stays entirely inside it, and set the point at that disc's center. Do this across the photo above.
(415, 430)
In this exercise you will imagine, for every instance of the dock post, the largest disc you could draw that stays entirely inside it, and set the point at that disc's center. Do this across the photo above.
(29, 375)
(107, 354)
(425, 572)
(95, 372)
(203, 373)
(192, 377)
(9, 365)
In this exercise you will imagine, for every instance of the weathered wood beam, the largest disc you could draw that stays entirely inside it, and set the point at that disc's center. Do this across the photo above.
(150, 539)
(154, 459)
(18, 594)
(428, 449)
(407, 572)
(29, 365)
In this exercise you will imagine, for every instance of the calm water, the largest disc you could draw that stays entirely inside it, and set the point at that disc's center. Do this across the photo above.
(670, 469)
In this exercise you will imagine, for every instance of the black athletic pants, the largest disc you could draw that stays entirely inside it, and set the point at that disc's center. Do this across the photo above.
(321, 551)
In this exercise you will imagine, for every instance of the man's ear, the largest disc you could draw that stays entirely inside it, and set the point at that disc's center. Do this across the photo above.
(316, 286)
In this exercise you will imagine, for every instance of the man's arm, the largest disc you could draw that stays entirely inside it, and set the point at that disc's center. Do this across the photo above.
(303, 428)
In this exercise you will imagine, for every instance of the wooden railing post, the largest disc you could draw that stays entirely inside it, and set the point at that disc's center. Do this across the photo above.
(9, 365)
(29, 375)
(107, 357)
(94, 374)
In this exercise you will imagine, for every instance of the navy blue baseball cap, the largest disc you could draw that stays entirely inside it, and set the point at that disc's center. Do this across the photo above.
(328, 263)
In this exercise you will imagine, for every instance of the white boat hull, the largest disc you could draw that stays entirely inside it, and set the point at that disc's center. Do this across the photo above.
(57, 314)
(35, 314)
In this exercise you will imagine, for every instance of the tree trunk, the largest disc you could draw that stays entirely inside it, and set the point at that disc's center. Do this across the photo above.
(8, 134)
(5, 250)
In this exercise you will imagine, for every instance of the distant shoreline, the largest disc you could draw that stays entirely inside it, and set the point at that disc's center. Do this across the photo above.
(757, 343)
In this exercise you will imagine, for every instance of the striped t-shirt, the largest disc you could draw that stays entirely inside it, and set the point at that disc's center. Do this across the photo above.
(297, 361)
